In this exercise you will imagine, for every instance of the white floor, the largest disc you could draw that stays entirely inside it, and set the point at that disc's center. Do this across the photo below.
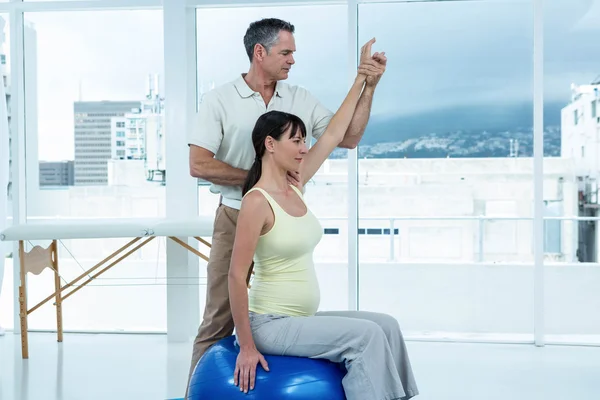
(115, 366)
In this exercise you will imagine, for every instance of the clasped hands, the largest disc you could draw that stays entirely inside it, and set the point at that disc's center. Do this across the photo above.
(373, 66)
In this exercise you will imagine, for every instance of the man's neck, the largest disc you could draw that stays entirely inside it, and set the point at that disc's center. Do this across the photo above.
(260, 83)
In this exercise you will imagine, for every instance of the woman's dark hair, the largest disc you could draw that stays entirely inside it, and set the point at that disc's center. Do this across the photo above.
(274, 124)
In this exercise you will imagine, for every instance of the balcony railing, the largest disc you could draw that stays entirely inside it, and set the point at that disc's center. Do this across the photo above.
(557, 238)
(447, 299)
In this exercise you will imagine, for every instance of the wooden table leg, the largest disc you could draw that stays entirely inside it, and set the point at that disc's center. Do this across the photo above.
(37, 260)
(59, 324)
(23, 302)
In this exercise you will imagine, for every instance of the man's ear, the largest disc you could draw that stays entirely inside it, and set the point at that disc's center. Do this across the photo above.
(259, 52)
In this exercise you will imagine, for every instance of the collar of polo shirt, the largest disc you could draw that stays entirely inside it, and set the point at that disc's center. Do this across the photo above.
(246, 91)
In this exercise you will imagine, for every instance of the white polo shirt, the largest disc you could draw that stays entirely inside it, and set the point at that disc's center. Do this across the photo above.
(227, 116)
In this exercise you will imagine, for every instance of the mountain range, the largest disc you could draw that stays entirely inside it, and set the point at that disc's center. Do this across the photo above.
(467, 131)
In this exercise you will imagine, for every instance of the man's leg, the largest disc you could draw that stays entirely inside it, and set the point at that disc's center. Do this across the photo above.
(359, 343)
(393, 333)
(217, 322)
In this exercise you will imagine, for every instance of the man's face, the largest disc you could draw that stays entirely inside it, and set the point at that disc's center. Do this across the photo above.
(280, 59)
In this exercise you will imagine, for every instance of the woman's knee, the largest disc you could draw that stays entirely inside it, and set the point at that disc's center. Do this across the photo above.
(386, 322)
(368, 331)
(391, 323)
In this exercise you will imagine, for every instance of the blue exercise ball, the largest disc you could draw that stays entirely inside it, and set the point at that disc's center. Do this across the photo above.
(289, 378)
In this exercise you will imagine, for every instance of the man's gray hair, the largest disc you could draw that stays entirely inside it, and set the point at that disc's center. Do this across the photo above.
(266, 33)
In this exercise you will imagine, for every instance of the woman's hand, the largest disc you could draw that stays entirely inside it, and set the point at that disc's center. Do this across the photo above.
(245, 368)
(371, 67)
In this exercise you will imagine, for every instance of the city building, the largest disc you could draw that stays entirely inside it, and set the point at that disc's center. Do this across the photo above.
(93, 138)
(580, 127)
(580, 134)
(139, 134)
(57, 173)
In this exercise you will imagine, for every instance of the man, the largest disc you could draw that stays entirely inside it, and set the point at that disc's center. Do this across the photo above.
(221, 150)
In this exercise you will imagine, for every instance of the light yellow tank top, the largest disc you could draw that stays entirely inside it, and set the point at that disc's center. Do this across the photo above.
(285, 280)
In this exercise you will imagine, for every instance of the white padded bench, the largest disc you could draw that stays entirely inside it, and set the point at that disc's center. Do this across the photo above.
(39, 258)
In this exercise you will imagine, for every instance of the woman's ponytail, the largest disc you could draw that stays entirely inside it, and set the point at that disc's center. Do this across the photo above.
(253, 176)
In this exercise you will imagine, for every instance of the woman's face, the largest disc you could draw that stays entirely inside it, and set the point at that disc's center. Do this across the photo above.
(290, 150)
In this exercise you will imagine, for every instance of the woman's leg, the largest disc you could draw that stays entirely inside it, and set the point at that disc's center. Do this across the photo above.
(393, 333)
(359, 343)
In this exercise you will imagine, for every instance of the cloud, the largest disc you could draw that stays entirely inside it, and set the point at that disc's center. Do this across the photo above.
(441, 54)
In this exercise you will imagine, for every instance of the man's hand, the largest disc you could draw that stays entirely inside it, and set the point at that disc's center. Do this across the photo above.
(381, 60)
(294, 179)
(245, 368)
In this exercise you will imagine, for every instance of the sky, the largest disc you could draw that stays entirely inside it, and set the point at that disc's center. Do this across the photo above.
(441, 54)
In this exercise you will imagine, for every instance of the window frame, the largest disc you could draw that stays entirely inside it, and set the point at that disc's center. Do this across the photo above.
(179, 23)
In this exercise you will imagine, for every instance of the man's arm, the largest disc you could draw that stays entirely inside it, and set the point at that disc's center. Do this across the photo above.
(357, 127)
(356, 130)
(358, 124)
(204, 141)
(203, 165)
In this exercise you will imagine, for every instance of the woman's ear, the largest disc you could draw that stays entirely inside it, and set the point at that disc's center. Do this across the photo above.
(270, 144)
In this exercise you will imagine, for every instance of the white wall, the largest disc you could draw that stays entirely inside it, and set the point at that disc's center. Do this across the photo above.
(426, 188)
(143, 201)
(581, 141)
(401, 189)
(155, 142)
(474, 298)
(132, 174)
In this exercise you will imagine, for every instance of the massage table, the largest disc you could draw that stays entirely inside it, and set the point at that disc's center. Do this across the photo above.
(141, 232)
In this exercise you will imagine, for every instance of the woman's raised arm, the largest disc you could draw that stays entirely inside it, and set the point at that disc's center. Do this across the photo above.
(336, 130)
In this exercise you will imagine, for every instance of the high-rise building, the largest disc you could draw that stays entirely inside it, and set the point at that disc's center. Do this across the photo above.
(139, 135)
(154, 106)
(580, 142)
(57, 173)
(93, 138)
(580, 128)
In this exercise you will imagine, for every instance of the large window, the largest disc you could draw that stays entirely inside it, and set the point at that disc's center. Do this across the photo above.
(571, 89)
(445, 168)
(84, 83)
(319, 68)
(83, 86)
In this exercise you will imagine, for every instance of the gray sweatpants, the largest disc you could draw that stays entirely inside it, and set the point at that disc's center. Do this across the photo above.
(370, 344)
